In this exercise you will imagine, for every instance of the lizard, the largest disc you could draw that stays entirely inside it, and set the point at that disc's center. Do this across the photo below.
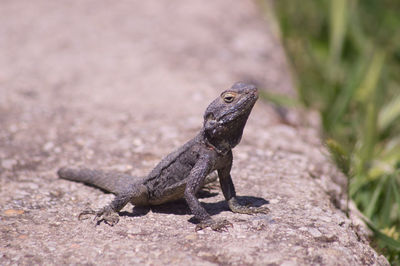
(183, 172)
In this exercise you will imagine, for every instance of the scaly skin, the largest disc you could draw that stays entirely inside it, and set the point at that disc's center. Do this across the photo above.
(183, 172)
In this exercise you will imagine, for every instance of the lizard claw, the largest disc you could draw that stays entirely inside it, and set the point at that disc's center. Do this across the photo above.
(218, 226)
(106, 215)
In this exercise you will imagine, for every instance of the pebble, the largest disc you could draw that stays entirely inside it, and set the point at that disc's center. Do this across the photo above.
(314, 232)
(8, 164)
(274, 201)
(325, 219)
(12, 212)
(122, 167)
(48, 146)
(204, 254)
(289, 263)
(134, 231)
(191, 237)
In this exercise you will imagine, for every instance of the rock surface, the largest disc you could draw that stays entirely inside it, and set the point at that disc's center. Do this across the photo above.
(118, 85)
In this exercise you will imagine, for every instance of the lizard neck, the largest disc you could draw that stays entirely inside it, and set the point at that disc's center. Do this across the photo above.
(220, 146)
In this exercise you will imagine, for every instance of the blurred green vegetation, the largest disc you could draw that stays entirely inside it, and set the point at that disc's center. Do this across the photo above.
(345, 56)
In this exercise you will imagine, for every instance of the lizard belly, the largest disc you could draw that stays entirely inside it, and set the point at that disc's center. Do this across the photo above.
(171, 193)
(177, 190)
(169, 185)
(167, 181)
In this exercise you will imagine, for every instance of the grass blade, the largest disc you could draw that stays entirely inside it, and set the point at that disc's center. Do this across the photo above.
(389, 114)
(338, 22)
(340, 156)
(372, 76)
(375, 197)
(395, 187)
(386, 207)
(393, 243)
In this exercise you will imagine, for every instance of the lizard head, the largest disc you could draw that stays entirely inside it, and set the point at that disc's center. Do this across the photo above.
(226, 116)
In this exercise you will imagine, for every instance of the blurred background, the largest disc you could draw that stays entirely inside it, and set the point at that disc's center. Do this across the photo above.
(345, 59)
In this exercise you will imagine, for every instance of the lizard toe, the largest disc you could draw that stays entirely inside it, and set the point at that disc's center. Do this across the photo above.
(261, 209)
(107, 215)
(218, 226)
(84, 215)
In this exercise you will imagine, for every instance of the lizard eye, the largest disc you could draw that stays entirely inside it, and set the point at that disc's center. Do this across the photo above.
(228, 97)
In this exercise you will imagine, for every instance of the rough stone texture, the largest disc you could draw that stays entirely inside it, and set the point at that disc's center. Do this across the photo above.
(118, 85)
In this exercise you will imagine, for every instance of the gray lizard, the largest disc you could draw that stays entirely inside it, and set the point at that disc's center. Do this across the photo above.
(183, 172)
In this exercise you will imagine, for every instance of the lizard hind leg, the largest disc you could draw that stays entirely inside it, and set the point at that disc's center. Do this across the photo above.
(136, 194)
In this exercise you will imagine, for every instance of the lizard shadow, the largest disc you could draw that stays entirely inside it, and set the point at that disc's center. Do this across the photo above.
(214, 208)
(179, 207)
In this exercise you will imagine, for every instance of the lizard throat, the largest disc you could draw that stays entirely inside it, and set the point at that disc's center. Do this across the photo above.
(221, 151)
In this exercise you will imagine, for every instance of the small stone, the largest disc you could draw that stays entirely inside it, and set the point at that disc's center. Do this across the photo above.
(22, 237)
(55, 224)
(242, 156)
(314, 232)
(48, 146)
(191, 237)
(134, 231)
(12, 212)
(8, 164)
(13, 128)
(32, 186)
(204, 254)
(122, 167)
(325, 219)
(274, 201)
(137, 142)
(75, 246)
(328, 238)
(289, 263)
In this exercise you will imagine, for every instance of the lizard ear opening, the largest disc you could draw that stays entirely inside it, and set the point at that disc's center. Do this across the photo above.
(209, 121)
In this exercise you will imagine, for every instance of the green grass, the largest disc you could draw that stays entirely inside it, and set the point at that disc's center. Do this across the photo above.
(346, 58)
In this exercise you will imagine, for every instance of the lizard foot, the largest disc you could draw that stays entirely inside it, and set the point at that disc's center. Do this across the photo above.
(219, 226)
(237, 208)
(106, 215)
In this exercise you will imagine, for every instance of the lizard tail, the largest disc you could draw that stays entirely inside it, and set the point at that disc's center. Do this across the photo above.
(109, 181)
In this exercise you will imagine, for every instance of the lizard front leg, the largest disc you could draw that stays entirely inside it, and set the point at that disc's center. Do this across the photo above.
(228, 189)
(195, 180)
